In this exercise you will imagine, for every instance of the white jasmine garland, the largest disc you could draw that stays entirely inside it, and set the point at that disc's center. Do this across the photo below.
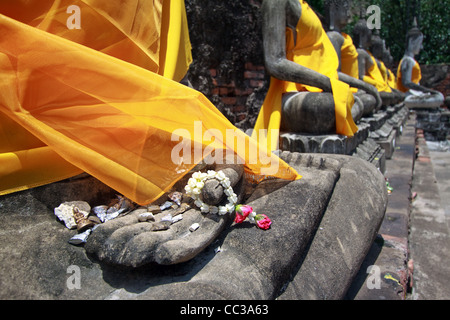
(197, 182)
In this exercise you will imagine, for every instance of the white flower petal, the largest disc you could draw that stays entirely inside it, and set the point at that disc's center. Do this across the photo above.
(213, 209)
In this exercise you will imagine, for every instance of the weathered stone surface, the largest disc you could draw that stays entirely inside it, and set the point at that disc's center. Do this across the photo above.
(332, 143)
(126, 242)
(344, 237)
(344, 192)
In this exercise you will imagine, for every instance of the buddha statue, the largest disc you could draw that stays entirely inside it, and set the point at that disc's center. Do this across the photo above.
(378, 48)
(305, 93)
(368, 68)
(388, 60)
(336, 17)
(409, 75)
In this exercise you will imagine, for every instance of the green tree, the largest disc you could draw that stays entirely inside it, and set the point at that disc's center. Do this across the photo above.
(397, 18)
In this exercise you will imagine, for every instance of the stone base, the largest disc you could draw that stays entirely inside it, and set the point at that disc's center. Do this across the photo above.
(330, 144)
(388, 143)
(372, 152)
(378, 130)
(386, 126)
(434, 123)
(323, 227)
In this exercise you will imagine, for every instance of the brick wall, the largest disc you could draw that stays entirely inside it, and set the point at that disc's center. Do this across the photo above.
(237, 101)
(228, 59)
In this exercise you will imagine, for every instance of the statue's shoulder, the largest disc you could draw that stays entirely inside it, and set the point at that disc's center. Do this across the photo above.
(362, 53)
(407, 62)
(336, 36)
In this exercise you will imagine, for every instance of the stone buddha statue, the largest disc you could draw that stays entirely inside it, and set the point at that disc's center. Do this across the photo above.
(368, 67)
(388, 60)
(378, 48)
(303, 67)
(336, 17)
(409, 75)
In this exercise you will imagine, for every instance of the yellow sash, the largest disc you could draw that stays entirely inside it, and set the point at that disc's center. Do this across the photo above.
(349, 57)
(392, 81)
(416, 76)
(375, 77)
(314, 50)
(105, 116)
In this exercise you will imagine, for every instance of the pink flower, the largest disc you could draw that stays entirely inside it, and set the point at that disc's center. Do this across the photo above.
(263, 221)
(242, 212)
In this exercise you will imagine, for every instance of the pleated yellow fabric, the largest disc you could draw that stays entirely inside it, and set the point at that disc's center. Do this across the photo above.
(375, 77)
(349, 57)
(416, 76)
(313, 49)
(134, 130)
(134, 31)
(392, 79)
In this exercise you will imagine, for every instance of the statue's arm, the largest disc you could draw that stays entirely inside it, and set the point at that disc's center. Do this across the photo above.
(275, 15)
(361, 63)
(337, 40)
(356, 83)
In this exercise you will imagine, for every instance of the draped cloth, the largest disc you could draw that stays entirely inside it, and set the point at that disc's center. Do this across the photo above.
(104, 107)
(349, 57)
(375, 77)
(312, 49)
(392, 80)
(416, 76)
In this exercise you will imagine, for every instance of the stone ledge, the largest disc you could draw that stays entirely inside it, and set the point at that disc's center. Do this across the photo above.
(36, 266)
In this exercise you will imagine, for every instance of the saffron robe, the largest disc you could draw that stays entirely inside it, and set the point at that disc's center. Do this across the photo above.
(349, 57)
(67, 107)
(375, 77)
(416, 76)
(313, 49)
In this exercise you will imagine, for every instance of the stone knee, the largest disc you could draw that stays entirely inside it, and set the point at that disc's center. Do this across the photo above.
(369, 102)
(307, 112)
(357, 109)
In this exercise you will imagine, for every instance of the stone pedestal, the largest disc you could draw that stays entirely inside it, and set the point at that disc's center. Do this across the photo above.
(386, 126)
(360, 145)
(434, 123)
(374, 141)
(331, 144)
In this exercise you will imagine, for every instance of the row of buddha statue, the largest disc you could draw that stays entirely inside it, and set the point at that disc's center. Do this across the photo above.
(323, 81)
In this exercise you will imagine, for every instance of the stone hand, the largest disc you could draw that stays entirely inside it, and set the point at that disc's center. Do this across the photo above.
(128, 242)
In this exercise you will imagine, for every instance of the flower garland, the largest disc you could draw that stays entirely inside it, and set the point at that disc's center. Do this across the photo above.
(197, 182)
(194, 188)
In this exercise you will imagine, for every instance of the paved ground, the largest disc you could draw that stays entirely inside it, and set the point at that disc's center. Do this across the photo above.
(430, 225)
(411, 257)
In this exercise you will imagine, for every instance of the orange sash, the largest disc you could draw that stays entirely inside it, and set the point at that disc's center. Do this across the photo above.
(134, 130)
(416, 76)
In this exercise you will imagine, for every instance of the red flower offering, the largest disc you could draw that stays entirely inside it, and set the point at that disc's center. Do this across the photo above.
(263, 221)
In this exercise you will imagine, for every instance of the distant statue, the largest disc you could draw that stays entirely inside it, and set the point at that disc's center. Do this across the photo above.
(409, 75)
(305, 94)
(378, 49)
(388, 60)
(368, 68)
(337, 15)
